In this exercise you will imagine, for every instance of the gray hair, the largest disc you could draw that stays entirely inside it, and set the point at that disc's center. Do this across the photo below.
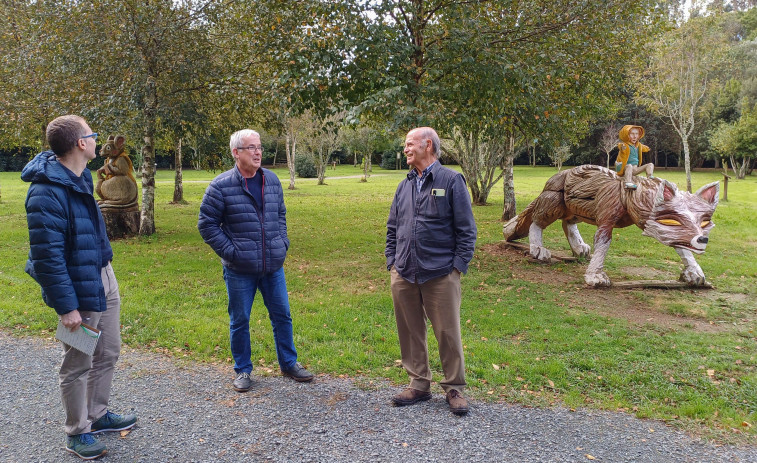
(430, 134)
(236, 137)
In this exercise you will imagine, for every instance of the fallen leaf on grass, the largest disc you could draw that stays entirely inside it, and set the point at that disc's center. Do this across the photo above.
(746, 424)
(496, 367)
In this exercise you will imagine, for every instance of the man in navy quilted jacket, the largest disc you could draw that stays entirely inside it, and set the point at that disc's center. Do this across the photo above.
(69, 256)
(243, 219)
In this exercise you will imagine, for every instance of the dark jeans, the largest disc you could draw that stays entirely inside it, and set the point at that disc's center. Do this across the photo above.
(241, 289)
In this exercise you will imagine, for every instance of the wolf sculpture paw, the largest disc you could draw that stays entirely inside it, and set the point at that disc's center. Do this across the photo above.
(584, 251)
(693, 276)
(540, 253)
(597, 279)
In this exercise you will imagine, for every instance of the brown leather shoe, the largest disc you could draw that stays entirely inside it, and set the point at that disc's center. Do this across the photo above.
(410, 396)
(457, 403)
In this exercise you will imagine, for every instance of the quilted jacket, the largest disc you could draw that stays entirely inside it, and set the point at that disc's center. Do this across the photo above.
(249, 239)
(66, 248)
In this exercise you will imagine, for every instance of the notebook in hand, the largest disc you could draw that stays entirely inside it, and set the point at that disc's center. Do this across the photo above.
(84, 338)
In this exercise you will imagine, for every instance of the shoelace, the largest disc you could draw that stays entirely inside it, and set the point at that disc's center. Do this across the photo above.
(107, 417)
(87, 439)
(243, 375)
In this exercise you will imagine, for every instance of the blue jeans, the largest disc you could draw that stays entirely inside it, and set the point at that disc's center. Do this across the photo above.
(241, 289)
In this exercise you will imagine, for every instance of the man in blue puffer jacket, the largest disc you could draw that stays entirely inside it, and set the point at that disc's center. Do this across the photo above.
(243, 219)
(69, 256)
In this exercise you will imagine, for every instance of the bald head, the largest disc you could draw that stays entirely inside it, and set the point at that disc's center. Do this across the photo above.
(427, 133)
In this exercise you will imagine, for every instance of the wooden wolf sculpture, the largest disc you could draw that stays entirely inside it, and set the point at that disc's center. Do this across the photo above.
(594, 195)
(116, 184)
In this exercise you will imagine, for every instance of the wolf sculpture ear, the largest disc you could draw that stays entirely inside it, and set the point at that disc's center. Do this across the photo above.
(120, 140)
(710, 192)
(665, 192)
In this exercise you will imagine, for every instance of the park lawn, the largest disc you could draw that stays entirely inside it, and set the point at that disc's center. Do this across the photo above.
(533, 334)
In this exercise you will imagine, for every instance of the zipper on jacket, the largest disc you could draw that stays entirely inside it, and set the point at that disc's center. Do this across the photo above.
(261, 212)
(262, 220)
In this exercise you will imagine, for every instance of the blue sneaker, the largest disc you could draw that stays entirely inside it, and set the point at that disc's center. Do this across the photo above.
(85, 446)
(113, 422)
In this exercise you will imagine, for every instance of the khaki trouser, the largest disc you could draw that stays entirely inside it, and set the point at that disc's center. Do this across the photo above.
(85, 381)
(437, 300)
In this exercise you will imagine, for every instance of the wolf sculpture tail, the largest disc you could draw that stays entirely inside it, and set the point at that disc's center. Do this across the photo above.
(517, 227)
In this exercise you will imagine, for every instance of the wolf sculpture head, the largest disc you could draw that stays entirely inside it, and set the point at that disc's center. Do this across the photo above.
(681, 219)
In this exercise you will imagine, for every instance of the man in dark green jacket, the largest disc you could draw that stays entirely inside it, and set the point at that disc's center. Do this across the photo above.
(70, 257)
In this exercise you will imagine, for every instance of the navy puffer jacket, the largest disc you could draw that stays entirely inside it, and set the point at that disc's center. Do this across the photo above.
(248, 240)
(66, 254)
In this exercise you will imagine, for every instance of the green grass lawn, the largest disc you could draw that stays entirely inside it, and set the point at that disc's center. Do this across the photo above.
(533, 334)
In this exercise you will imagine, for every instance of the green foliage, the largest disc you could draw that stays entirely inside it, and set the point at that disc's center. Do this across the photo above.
(552, 341)
(305, 167)
(389, 160)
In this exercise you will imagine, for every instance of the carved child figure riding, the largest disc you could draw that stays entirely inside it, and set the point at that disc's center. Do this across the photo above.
(630, 153)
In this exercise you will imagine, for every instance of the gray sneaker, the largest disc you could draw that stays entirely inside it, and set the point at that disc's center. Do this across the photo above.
(113, 422)
(243, 383)
(85, 446)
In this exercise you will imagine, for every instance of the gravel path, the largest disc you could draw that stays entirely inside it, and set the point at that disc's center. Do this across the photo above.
(189, 413)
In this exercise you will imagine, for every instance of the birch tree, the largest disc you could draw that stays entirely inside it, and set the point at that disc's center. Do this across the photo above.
(609, 140)
(680, 71)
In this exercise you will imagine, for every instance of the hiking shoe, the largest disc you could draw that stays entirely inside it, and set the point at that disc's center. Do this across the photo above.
(630, 186)
(85, 446)
(457, 403)
(410, 396)
(243, 383)
(298, 373)
(113, 422)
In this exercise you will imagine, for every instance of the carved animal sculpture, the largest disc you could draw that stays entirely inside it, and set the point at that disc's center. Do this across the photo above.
(593, 194)
(116, 184)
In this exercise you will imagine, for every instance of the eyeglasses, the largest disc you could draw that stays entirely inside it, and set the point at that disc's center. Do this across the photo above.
(91, 135)
(251, 148)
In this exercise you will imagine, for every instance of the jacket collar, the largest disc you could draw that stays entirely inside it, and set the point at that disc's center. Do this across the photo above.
(45, 168)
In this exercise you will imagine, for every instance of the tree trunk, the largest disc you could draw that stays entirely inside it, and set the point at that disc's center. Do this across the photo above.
(291, 150)
(321, 167)
(43, 144)
(740, 169)
(147, 217)
(366, 166)
(476, 194)
(178, 186)
(508, 212)
(687, 162)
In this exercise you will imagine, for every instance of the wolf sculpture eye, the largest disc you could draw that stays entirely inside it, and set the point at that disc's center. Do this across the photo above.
(705, 223)
(671, 222)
